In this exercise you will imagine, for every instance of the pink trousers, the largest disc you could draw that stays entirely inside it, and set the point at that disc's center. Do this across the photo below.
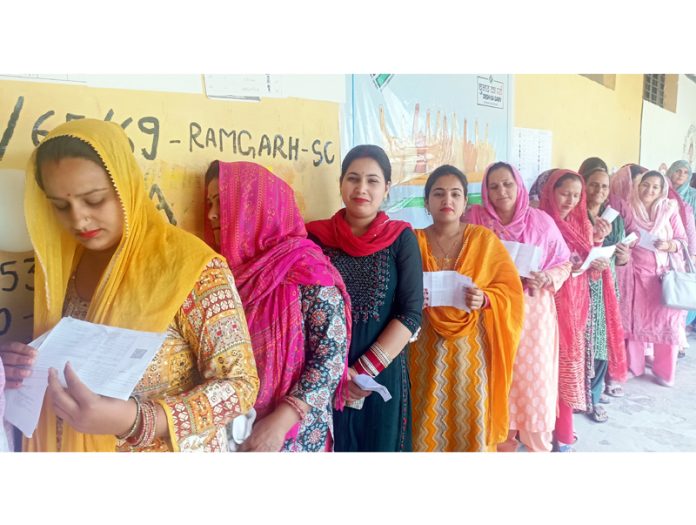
(664, 363)
(564, 424)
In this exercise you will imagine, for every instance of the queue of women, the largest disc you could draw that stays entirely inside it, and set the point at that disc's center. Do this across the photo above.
(276, 322)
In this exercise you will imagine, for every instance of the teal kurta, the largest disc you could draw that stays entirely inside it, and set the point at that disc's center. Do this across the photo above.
(383, 286)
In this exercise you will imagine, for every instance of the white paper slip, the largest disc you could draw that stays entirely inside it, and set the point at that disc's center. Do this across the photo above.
(23, 405)
(447, 288)
(647, 240)
(629, 238)
(598, 252)
(610, 214)
(367, 383)
(109, 361)
(527, 257)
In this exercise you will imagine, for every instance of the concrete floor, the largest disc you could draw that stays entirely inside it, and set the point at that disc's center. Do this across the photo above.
(649, 417)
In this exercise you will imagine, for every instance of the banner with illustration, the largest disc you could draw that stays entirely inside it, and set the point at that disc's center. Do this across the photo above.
(174, 137)
(424, 121)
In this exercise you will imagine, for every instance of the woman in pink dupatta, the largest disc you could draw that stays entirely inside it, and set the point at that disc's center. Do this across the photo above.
(534, 392)
(563, 198)
(621, 188)
(295, 302)
(652, 211)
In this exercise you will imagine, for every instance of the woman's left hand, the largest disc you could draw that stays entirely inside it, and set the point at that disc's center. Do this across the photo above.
(268, 435)
(623, 254)
(86, 411)
(600, 264)
(663, 246)
(474, 298)
(601, 229)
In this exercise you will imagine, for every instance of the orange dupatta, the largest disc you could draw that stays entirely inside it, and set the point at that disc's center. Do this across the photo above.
(152, 272)
(485, 259)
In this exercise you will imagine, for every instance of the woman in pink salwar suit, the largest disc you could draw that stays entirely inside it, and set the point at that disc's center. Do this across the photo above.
(650, 322)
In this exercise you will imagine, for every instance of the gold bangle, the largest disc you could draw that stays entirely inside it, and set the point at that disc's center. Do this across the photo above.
(134, 426)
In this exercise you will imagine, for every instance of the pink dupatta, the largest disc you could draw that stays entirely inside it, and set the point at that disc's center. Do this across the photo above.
(263, 237)
(528, 225)
(656, 220)
(573, 302)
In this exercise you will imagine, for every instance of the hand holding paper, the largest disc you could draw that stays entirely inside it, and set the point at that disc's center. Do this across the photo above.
(474, 298)
(609, 214)
(86, 411)
(446, 288)
(527, 257)
(367, 383)
(601, 229)
(630, 238)
(647, 240)
(107, 361)
(598, 252)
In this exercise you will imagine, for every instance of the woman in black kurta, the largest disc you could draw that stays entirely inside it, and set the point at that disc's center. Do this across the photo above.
(380, 263)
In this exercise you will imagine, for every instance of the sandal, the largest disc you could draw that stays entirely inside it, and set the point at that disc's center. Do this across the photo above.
(614, 390)
(682, 353)
(604, 399)
(599, 415)
(566, 448)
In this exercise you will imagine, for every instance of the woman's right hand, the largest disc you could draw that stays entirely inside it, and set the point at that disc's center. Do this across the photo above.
(354, 391)
(17, 359)
(538, 280)
(623, 254)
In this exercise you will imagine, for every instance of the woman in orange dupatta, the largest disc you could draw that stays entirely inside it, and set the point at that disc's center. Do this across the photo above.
(461, 364)
(106, 255)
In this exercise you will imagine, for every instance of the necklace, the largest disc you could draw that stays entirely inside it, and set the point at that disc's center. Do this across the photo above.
(446, 259)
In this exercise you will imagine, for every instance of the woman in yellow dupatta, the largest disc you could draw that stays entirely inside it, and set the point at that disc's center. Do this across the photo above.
(461, 364)
(105, 254)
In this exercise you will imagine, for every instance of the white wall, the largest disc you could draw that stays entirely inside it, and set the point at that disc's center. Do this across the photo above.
(312, 87)
(664, 134)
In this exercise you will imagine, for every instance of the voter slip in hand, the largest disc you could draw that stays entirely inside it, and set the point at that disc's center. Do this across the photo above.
(109, 361)
(527, 257)
(446, 288)
(367, 383)
(610, 214)
(598, 252)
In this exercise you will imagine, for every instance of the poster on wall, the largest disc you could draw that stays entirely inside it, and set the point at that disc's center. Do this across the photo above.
(174, 137)
(425, 121)
(531, 152)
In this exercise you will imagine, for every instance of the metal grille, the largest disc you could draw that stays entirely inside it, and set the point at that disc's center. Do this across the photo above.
(654, 89)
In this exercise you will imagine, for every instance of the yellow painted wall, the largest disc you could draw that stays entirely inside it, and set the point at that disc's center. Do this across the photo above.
(586, 118)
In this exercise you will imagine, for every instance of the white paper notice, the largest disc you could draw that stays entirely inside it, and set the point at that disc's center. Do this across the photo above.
(598, 252)
(447, 289)
(109, 361)
(610, 214)
(367, 383)
(647, 240)
(527, 257)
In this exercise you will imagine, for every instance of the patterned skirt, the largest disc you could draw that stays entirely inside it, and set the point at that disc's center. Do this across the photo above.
(449, 392)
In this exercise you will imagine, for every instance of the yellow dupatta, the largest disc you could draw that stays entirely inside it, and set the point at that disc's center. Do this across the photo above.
(154, 268)
(489, 265)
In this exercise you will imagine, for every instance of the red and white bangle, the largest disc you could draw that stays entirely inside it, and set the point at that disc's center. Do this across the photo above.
(373, 361)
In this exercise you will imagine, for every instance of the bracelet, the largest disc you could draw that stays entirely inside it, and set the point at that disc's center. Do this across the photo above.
(134, 426)
(381, 355)
(296, 406)
(373, 361)
(148, 426)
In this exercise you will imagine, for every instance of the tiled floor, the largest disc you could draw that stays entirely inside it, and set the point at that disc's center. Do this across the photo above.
(649, 418)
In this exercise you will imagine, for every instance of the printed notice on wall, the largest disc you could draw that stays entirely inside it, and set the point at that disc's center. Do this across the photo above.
(531, 152)
(490, 92)
(243, 87)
